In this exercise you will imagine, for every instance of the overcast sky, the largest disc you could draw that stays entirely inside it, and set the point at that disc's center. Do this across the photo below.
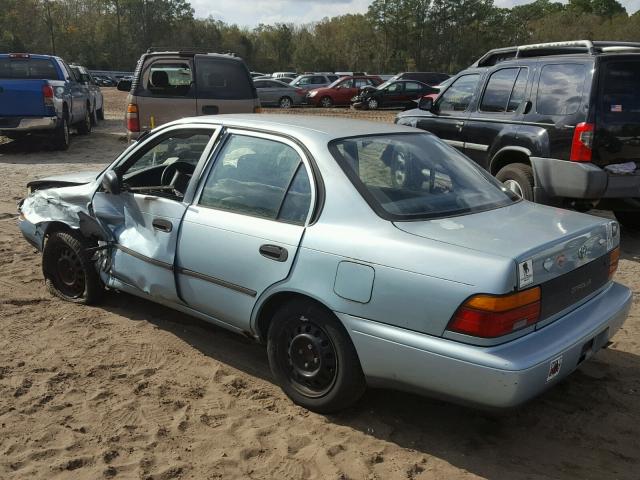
(253, 12)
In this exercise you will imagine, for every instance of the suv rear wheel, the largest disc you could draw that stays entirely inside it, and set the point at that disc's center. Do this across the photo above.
(629, 220)
(518, 178)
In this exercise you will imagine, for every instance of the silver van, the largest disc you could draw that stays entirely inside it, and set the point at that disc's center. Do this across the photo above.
(167, 86)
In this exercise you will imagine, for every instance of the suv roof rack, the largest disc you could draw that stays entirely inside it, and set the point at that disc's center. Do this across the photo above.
(497, 55)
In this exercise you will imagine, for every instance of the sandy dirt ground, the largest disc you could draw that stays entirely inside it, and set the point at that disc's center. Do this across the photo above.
(129, 389)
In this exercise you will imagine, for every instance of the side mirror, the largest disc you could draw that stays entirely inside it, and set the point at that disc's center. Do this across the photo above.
(426, 104)
(124, 85)
(111, 183)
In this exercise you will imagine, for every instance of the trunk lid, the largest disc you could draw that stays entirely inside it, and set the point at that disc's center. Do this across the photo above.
(545, 243)
(617, 123)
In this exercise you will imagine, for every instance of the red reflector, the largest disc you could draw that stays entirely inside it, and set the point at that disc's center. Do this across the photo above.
(479, 323)
(582, 143)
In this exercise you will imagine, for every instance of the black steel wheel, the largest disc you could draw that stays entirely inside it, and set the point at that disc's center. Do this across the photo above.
(84, 127)
(312, 357)
(68, 271)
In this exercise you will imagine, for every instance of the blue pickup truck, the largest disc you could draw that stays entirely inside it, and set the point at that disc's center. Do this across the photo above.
(39, 94)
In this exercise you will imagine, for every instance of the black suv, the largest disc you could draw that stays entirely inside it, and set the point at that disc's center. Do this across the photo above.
(557, 123)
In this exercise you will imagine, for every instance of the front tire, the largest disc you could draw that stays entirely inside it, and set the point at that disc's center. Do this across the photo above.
(68, 270)
(326, 102)
(372, 104)
(518, 178)
(629, 220)
(312, 358)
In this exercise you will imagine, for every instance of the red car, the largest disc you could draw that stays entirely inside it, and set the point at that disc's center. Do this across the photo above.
(341, 91)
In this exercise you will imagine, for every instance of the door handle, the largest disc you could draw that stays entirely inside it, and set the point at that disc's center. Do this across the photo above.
(162, 225)
(459, 125)
(274, 252)
(527, 107)
(210, 110)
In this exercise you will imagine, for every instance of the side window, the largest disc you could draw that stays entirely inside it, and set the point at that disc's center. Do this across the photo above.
(458, 96)
(361, 82)
(560, 89)
(259, 177)
(412, 87)
(395, 88)
(519, 90)
(144, 170)
(304, 81)
(498, 91)
(169, 79)
(223, 79)
(346, 84)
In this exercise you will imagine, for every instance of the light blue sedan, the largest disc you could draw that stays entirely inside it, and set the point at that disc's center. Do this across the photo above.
(360, 253)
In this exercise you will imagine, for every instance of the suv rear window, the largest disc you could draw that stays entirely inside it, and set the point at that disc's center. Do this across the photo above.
(620, 97)
(169, 79)
(414, 176)
(28, 68)
(223, 79)
(560, 89)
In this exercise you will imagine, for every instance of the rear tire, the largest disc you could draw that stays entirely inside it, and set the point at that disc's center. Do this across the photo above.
(101, 113)
(94, 118)
(61, 136)
(326, 102)
(312, 358)
(518, 178)
(68, 270)
(285, 102)
(629, 220)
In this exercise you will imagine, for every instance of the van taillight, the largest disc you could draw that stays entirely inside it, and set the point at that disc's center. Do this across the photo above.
(582, 143)
(133, 123)
(47, 95)
(490, 316)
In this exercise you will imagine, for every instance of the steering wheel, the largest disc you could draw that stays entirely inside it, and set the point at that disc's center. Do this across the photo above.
(176, 175)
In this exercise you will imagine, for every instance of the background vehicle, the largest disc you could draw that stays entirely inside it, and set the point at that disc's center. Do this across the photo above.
(97, 101)
(240, 220)
(258, 74)
(284, 74)
(314, 80)
(430, 78)
(274, 92)
(391, 94)
(40, 94)
(440, 88)
(341, 91)
(558, 123)
(104, 81)
(171, 85)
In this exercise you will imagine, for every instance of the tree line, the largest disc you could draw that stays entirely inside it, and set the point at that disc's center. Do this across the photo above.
(392, 36)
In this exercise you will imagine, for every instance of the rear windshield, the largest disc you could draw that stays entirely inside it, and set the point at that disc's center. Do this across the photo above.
(28, 68)
(223, 79)
(620, 97)
(416, 176)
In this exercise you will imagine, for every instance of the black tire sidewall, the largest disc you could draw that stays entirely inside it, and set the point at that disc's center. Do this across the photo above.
(629, 220)
(349, 383)
(84, 127)
(520, 173)
(62, 135)
(93, 287)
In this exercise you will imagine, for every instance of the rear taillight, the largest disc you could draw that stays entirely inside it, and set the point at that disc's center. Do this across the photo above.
(614, 258)
(490, 316)
(133, 123)
(582, 143)
(47, 95)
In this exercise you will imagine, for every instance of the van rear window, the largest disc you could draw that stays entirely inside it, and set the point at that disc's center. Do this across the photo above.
(223, 79)
(560, 89)
(620, 98)
(28, 68)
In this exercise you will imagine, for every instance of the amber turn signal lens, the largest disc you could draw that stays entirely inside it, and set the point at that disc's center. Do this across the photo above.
(132, 108)
(614, 258)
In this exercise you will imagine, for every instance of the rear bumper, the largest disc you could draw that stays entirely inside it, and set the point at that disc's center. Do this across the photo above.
(565, 179)
(27, 124)
(503, 376)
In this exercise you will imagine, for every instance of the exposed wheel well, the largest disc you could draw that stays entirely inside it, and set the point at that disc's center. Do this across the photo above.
(505, 158)
(55, 226)
(268, 309)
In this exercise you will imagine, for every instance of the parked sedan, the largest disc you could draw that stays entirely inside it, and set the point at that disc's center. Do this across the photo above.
(395, 94)
(341, 91)
(274, 92)
(311, 81)
(360, 253)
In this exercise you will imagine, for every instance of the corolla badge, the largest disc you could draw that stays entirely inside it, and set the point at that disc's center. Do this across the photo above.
(582, 252)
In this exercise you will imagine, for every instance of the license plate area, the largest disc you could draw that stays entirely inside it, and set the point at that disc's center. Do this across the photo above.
(592, 346)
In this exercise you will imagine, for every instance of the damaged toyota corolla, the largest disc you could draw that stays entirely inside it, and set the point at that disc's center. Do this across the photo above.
(360, 253)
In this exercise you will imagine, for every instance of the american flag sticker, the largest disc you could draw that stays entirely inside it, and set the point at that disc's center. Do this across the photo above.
(616, 108)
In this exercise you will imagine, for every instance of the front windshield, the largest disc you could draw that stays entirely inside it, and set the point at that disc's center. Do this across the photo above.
(416, 176)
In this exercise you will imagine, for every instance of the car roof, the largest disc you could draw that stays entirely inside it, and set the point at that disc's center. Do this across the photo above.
(301, 125)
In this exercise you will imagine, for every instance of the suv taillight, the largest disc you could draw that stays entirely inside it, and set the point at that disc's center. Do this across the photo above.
(582, 143)
(491, 316)
(133, 123)
(47, 95)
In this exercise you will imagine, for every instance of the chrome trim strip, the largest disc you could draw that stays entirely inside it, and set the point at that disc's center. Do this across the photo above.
(476, 146)
(454, 143)
(144, 258)
(218, 281)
